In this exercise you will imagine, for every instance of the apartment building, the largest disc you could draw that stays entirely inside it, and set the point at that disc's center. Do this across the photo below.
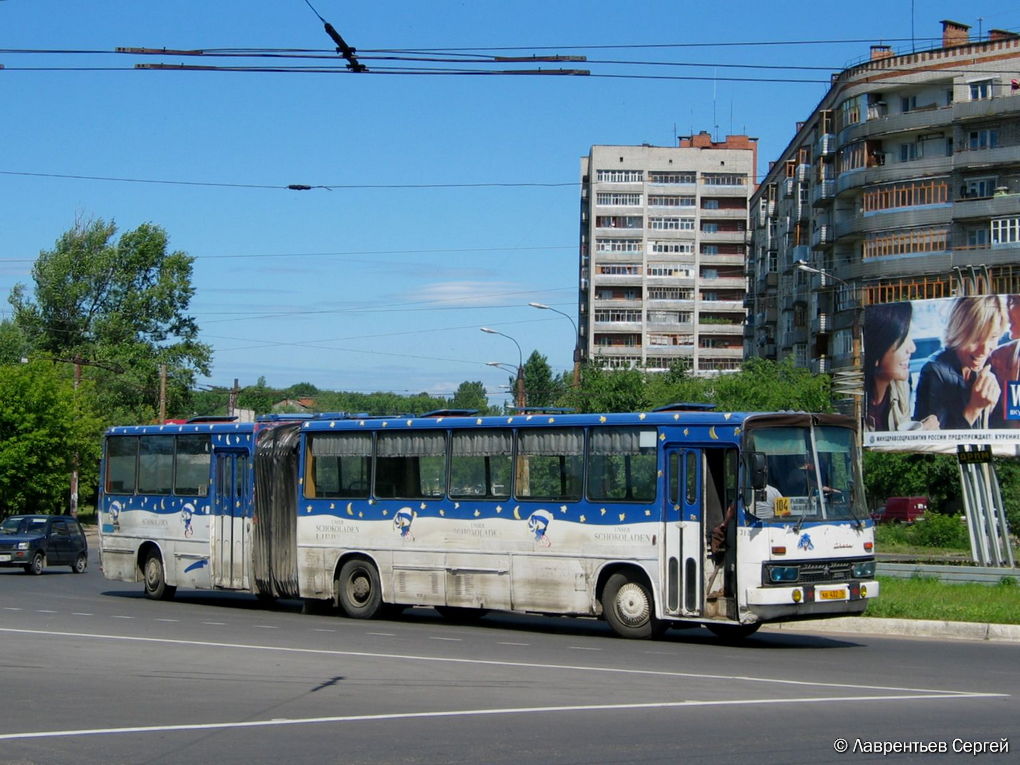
(662, 251)
(903, 184)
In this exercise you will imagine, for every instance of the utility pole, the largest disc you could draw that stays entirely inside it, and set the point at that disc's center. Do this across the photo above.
(162, 393)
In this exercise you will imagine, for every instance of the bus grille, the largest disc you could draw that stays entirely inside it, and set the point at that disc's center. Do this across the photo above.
(825, 571)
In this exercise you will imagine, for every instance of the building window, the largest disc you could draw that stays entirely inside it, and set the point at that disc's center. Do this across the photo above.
(658, 177)
(982, 139)
(1005, 231)
(671, 224)
(977, 188)
(709, 249)
(620, 269)
(669, 269)
(617, 315)
(981, 89)
(618, 198)
(620, 176)
(618, 245)
(670, 293)
(670, 200)
(619, 221)
(912, 194)
(910, 151)
(669, 317)
(724, 179)
(671, 247)
(977, 237)
(907, 242)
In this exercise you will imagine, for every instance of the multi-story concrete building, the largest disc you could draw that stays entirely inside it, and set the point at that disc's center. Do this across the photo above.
(903, 184)
(663, 246)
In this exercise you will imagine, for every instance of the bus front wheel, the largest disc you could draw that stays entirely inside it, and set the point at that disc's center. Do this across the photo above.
(628, 607)
(154, 576)
(359, 591)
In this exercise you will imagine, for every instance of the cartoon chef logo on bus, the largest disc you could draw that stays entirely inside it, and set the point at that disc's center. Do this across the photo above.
(402, 521)
(538, 525)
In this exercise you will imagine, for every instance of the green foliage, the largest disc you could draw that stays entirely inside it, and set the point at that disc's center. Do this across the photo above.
(922, 598)
(44, 425)
(935, 476)
(941, 531)
(608, 390)
(118, 310)
(540, 386)
(470, 395)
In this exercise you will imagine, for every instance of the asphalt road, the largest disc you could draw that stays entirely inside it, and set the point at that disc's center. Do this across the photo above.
(91, 672)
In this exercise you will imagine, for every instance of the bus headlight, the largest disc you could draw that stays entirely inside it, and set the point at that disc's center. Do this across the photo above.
(22, 545)
(781, 574)
(864, 570)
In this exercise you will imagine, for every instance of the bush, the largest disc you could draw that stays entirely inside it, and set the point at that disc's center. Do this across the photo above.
(941, 531)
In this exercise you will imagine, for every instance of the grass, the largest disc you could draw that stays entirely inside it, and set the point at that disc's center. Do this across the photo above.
(925, 598)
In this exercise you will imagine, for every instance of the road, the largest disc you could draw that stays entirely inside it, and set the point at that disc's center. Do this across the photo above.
(94, 673)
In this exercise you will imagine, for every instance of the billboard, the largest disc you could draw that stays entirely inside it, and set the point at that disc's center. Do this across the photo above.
(942, 373)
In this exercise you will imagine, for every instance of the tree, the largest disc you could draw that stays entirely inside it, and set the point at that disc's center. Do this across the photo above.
(470, 395)
(608, 390)
(540, 386)
(123, 307)
(44, 424)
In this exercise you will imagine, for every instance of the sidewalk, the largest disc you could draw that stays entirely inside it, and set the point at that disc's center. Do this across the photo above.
(913, 628)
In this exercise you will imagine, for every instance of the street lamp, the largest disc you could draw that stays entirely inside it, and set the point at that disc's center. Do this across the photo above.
(577, 339)
(857, 394)
(520, 396)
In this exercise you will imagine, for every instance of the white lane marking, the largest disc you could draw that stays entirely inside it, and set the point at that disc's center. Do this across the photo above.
(452, 640)
(581, 648)
(267, 627)
(44, 611)
(478, 713)
(215, 624)
(382, 634)
(11, 608)
(489, 662)
(121, 617)
(168, 620)
(508, 643)
(80, 613)
(319, 629)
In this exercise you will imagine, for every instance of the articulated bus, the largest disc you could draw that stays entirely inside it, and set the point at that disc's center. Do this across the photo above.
(675, 517)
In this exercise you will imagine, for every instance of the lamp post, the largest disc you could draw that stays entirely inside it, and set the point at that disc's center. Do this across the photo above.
(856, 390)
(577, 340)
(519, 398)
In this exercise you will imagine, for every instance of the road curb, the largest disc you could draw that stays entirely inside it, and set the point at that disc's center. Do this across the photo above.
(863, 625)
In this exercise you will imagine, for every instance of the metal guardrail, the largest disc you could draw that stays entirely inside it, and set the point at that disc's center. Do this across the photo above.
(976, 574)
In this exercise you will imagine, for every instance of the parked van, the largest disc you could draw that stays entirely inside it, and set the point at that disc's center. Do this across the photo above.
(903, 510)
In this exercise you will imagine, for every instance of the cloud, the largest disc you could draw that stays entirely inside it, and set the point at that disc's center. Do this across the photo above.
(467, 293)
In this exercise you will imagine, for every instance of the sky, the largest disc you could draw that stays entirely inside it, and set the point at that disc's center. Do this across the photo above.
(441, 203)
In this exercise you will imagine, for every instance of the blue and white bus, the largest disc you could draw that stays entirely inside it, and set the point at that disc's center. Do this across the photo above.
(666, 518)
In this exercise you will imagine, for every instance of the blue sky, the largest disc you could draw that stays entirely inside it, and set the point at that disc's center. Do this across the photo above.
(378, 283)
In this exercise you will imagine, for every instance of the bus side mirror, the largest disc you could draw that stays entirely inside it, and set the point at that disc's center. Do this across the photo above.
(759, 471)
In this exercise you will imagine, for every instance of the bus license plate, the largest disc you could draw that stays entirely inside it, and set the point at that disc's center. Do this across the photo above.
(831, 595)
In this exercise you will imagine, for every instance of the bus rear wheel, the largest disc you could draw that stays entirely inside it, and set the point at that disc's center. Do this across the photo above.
(359, 591)
(154, 577)
(628, 607)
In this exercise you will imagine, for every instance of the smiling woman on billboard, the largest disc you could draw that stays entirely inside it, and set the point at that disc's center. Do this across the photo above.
(956, 385)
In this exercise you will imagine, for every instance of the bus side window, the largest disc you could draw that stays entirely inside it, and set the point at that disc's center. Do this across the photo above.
(550, 463)
(481, 463)
(410, 465)
(622, 464)
(121, 464)
(338, 465)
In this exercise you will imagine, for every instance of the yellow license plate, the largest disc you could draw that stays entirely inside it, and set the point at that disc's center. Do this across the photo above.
(831, 595)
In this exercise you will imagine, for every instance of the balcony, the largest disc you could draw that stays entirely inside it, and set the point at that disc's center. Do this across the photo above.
(789, 186)
(823, 192)
(825, 146)
(987, 107)
(821, 324)
(821, 365)
(999, 206)
(803, 172)
(822, 237)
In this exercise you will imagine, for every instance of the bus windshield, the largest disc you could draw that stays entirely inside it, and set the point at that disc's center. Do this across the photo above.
(811, 474)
